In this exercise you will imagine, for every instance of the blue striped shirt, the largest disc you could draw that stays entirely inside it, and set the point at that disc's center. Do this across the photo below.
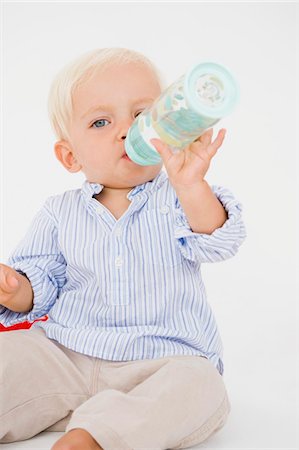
(124, 289)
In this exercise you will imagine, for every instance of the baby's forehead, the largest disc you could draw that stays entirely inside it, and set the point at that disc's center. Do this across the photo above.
(114, 84)
(116, 73)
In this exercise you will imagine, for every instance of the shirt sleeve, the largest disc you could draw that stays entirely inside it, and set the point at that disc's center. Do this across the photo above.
(223, 243)
(39, 257)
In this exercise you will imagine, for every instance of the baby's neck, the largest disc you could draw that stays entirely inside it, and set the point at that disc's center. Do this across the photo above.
(115, 200)
(113, 194)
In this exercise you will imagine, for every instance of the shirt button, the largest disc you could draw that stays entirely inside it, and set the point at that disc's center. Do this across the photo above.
(118, 261)
(164, 209)
(100, 210)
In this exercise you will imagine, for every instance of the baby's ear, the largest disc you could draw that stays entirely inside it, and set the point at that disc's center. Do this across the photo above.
(64, 153)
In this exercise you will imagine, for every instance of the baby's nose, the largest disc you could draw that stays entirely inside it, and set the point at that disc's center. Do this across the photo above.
(123, 129)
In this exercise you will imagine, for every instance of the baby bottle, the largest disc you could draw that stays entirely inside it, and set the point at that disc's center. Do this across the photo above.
(188, 107)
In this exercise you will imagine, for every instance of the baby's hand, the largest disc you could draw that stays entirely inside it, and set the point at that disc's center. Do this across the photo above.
(9, 283)
(15, 290)
(188, 167)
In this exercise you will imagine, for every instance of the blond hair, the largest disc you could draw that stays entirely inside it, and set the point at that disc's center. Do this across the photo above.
(60, 102)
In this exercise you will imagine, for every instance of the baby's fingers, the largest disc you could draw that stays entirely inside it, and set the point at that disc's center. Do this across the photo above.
(163, 149)
(206, 137)
(214, 146)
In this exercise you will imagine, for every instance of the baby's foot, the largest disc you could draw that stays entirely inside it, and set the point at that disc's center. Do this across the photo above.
(76, 439)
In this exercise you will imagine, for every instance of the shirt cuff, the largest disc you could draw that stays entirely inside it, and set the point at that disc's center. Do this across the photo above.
(43, 291)
(223, 243)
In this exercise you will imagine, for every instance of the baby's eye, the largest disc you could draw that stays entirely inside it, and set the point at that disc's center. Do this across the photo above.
(100, 123)
(139, 112)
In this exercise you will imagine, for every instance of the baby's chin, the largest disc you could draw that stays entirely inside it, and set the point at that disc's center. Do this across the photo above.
(128, 179)
(128, 185)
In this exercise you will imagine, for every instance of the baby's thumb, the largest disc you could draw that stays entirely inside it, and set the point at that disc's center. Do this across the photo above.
(8, 282)
(12, 281)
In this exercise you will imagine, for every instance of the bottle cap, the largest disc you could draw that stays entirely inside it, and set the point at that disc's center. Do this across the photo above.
(210, 90)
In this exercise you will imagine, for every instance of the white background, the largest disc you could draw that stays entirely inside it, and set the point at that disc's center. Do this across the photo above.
(253, 294)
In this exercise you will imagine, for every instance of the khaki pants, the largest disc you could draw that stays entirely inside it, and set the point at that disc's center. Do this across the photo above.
(173, 402)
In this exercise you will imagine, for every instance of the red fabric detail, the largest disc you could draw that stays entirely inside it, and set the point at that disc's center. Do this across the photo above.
(22, 325)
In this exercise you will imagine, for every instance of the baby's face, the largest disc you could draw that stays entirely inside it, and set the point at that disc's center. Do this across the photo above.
(104, 108)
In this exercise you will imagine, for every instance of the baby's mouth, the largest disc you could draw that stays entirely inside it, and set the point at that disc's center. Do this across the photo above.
(125, 156)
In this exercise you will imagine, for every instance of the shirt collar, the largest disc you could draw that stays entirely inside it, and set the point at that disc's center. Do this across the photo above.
(149, 186)
(90, 189)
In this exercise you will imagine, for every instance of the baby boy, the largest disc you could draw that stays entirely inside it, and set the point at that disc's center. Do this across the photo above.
(130, 356)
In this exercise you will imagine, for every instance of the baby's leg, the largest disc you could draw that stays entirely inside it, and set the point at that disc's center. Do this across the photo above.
(172, 402)
(41, 383)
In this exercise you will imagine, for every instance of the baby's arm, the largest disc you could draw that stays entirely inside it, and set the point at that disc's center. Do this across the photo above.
(202, 208)
(209, 225)
(223, 243)
(186, 171)
(39, 258)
